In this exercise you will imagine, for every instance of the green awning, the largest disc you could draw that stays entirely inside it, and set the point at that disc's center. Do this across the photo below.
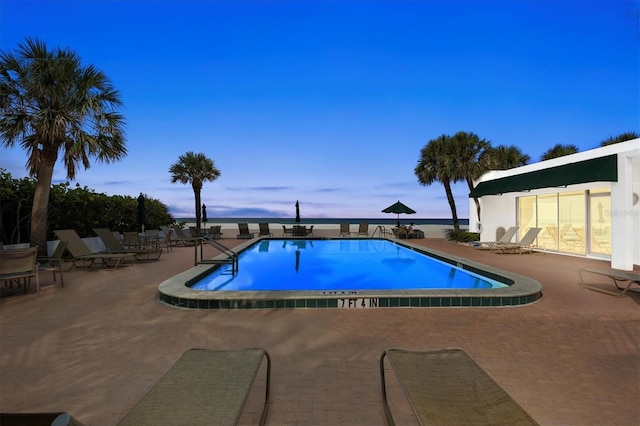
(602, 169)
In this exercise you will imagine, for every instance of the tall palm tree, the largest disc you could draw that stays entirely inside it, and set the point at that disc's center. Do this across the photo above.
(438, 163)
(471, 166)
(50, 105)
(623, 137)
(503, 157)
(194, 169)
(559, 150)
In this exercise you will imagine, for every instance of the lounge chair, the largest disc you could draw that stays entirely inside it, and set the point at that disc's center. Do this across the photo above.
(264, 229)
(38, 419)
(243, 231)
(447, 386)
(310, 230)
(203, 387)
(133, 246)
(55, 262)
(344, 230)
(19, 265)
(363, 229)
(505, 239)
(166, 239)
(617, 275)
(181, 238)
(82, 254)
(525, 245)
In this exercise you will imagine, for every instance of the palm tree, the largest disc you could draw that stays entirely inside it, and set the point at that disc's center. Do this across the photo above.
(50, 104)
(194, 169)
(438, 162)
(503, 157)
(627, 136)
(559, 150)
(470, 160)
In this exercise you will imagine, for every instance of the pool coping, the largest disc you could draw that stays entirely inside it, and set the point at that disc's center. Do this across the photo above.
(521, 290)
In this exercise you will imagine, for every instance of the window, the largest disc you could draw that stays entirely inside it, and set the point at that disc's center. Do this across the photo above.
(600, 222)
(572, 222)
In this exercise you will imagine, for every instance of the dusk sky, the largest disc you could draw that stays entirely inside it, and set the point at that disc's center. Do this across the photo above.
(330, 102)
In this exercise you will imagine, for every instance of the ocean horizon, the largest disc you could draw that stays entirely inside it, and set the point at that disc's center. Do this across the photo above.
(404, 219)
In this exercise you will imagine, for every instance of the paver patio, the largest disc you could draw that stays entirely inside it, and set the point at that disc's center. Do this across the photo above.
(95, 347)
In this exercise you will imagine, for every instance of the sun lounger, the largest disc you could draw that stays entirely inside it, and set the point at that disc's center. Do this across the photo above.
(181, 238)
(505, 239)
(363, 229)
(243, 231)
(525, 245)
(82, 254)
(264, 229)
(38, 419)
(344, 230)
(447, 386)
(203, 387)
(113, 245)
(618, 276)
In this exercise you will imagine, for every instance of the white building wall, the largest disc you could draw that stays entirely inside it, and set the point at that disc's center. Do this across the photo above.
(500, 210)
(497, 212)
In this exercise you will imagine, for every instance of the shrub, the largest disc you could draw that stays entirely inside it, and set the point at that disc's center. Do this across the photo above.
(461, 236)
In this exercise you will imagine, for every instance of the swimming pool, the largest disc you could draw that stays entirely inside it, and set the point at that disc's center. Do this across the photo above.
(350, 273)
(339, 265)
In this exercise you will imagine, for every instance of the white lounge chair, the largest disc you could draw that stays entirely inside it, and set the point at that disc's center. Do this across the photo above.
(525, 245)
(505, 239)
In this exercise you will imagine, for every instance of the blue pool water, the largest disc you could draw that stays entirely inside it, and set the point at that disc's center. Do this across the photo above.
(337, 265)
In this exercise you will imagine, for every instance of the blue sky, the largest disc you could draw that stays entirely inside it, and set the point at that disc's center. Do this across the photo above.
(330, 102)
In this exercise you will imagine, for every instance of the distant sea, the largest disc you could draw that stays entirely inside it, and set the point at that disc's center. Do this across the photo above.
(404, 219)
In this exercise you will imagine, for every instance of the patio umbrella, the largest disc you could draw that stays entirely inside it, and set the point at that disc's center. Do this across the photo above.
(204, 213)
(398, 208)
(141, 211)
(297, 212)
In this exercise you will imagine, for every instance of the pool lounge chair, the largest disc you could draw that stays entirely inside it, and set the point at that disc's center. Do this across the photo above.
(505, 239)
(363, 229)
(243, 231)
(618, 276)
(113, 245)
(264, 229)
(203, 387)
(525, 245)
(446, 386)
(82, 254)
(344, 230)
(181, 238)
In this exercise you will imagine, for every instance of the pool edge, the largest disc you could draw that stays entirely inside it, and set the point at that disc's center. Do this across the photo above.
(522, 291)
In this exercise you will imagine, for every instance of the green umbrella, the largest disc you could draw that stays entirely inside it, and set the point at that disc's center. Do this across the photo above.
(398, 208)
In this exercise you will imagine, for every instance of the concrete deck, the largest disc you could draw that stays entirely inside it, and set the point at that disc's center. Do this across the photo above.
(95, 347)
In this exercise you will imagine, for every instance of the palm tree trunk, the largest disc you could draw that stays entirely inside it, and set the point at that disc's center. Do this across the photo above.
(475, 199)
(452, 205)
(40, 208)
(196, 192)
